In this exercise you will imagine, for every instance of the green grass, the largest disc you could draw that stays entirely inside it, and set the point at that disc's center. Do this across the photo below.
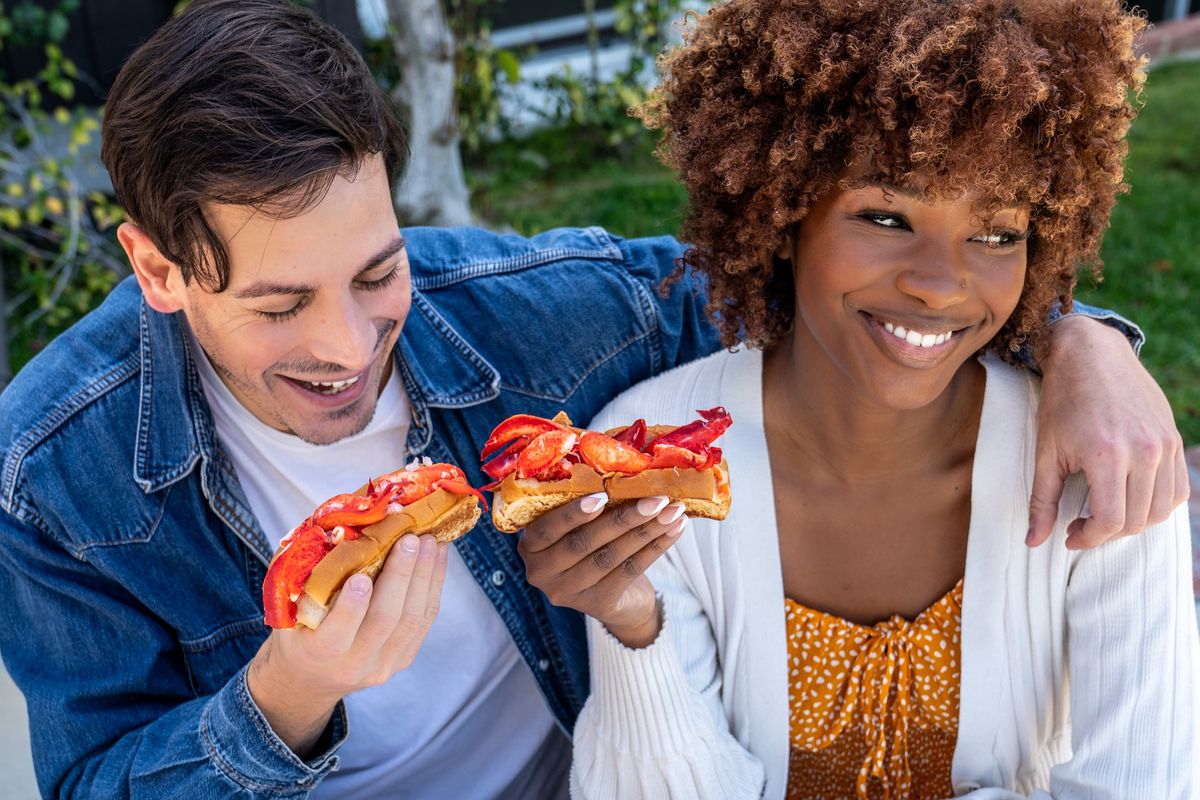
(1151, 254)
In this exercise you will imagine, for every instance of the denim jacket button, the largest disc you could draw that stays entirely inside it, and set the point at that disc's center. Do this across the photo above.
(498, 578)
(544, 664)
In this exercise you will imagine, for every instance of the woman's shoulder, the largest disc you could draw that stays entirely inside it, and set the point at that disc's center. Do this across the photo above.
(672, 397)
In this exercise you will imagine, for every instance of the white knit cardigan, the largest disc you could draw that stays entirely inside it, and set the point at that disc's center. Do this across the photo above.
(703, 712)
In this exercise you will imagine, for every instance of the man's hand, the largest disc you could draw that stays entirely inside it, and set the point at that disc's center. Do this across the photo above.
(1102, 414)
(596, 562)
(371, 633)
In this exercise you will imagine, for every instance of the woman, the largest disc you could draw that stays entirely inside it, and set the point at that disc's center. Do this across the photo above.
(887, 196)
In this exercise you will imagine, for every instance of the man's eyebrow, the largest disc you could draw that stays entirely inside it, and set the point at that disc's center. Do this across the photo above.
(391, 249)
(267, 288)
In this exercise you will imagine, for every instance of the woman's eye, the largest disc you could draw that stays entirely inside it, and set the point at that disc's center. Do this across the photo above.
(885, 220)
(1000, 239)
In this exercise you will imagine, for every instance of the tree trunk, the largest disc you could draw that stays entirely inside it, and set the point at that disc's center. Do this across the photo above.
(433, 190)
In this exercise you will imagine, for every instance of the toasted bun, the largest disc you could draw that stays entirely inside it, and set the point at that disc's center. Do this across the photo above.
(704, 493)
(444, 515)
(519, 501)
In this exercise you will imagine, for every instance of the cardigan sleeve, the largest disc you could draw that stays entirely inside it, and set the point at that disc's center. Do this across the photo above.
(1133, 663)
(654, 726)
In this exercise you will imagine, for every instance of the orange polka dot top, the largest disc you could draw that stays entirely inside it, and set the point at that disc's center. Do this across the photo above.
(874, 709)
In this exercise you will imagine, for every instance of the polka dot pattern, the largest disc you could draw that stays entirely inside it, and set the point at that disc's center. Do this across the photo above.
(874, 709)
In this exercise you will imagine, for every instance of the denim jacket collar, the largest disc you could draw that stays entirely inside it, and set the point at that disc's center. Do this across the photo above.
(439, 368)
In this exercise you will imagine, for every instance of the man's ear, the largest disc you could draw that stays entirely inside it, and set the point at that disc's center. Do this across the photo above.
(159, 277)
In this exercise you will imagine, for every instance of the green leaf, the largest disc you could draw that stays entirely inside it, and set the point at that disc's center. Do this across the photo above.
(57, 26)
(509, 65)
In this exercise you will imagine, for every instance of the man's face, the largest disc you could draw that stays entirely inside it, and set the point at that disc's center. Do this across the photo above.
(303, 334)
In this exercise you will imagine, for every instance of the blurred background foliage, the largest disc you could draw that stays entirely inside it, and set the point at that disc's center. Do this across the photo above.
(585, 161)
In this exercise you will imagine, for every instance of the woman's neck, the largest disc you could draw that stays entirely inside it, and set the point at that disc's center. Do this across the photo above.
(816, 414)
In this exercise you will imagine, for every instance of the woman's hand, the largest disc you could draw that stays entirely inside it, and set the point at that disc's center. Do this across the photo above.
(1103, 415)
(595, 562)
(372, 632)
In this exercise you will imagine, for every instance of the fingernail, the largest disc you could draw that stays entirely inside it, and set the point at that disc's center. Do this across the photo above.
(1029, 535)
(649, 506)
(671, 513)
(428, 545)
(677, 528)
(409, 543)
(359, 585)
(593, 502)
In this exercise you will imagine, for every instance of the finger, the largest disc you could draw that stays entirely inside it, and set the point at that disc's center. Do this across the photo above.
(1183, 488)
(591, 569)
(1048, 481)
(614, 584)
(1106, 498)
(416, 597)
(391, 587)
(590, 541)
(416, 616)
(550, 527)
(340, 627)
(1139, 494)
(1162, 500)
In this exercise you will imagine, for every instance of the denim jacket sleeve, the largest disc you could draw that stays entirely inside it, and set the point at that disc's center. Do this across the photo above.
(144, 731)
(685, 330)
(1111, 318)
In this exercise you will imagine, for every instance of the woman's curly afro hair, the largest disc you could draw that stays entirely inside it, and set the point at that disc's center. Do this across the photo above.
(767, 102)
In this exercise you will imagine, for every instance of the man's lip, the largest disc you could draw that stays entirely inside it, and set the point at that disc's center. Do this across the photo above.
(348, 395)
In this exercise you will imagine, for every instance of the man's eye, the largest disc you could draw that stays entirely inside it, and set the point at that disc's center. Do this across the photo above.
(280, 316)
(380, 283)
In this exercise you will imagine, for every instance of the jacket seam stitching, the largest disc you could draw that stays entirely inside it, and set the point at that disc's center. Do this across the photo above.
(230, 630)
(503, 266)
(56, 419)
(583, 378)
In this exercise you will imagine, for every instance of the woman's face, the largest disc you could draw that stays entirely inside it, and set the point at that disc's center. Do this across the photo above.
(898, 291)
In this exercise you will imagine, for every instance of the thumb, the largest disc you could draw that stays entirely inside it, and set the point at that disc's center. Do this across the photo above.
(1048, 482)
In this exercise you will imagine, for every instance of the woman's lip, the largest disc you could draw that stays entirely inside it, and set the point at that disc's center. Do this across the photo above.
(911, 354)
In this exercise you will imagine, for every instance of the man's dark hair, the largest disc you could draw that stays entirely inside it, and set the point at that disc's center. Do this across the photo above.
(243, 102)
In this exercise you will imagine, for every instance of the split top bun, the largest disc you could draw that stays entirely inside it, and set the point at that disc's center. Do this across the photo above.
(549, 462)
(354, 532)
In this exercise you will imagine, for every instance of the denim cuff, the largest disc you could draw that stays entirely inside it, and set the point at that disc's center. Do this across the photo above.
(245, 749)
(1110, 318)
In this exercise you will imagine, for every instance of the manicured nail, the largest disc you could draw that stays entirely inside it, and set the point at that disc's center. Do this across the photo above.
(359, 585)
(593, 502)
(649, 506)
(409, 543)
(677, 528)
(671, 513)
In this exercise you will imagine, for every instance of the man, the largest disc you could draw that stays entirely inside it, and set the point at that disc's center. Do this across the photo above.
(281, 341)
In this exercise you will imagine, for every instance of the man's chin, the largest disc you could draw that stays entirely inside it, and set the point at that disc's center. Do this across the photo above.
(335, 427)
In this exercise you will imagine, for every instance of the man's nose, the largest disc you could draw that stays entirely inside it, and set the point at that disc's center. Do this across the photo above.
(939, 276)
(343, 333)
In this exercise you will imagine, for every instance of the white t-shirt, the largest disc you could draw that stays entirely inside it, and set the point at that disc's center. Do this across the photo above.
(466, 720)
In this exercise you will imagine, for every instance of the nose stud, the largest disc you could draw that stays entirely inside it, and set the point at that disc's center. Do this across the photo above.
(962, 284)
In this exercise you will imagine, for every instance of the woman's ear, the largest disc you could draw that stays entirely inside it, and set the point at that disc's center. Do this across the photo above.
(159, 277)
(784, 251)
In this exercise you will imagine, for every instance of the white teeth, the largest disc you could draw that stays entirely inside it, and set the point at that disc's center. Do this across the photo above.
(917, 339)
(333, 387)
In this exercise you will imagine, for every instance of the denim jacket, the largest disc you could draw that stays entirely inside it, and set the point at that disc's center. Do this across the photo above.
(135, 601)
